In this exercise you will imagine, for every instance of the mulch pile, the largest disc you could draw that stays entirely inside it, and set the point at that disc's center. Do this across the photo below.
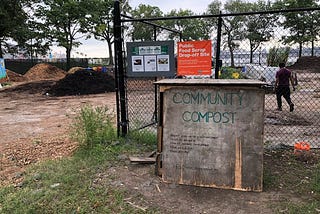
(15, 77)
(74, 69)
(310, 63)
(48, 79)
(83, 82)
(44, 71)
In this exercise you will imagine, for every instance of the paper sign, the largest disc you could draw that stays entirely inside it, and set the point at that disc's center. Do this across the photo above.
(150, 59)
(194, 58)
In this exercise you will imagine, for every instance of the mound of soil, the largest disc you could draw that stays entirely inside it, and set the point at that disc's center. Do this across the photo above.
(44, 71)
(33, 87)
(285, 118)
(74, 69)
(83, 82)
(15, 77)
(307, 63)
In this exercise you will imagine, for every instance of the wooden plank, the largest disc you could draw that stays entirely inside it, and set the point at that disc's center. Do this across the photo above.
(229, 82)
(143, 160)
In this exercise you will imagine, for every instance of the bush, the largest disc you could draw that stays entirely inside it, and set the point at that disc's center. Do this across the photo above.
(277, 55)
(230, 73)
(93, 126)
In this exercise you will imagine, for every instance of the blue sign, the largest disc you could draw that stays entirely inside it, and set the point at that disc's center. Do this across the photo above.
(2, 69)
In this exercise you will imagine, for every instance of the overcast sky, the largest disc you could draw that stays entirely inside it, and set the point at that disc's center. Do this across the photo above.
(94, 48)
(197, 6)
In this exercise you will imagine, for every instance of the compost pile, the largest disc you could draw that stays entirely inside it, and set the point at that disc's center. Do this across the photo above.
(310, 63)
(44, 71)
(15, 77)
(83, 82)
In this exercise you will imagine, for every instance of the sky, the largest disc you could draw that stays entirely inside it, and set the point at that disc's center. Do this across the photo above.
(197, 6)
(97, 49)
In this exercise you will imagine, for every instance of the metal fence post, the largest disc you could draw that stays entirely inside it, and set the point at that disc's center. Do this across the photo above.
(119, 72)
(216, 73)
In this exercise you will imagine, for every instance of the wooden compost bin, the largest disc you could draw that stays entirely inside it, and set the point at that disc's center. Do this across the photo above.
(210, 133)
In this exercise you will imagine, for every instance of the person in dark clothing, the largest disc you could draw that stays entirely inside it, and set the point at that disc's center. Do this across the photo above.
(282, 86)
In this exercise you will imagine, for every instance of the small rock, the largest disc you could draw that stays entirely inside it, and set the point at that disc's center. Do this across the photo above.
(37, 176)
(19, 185)
(55, 185)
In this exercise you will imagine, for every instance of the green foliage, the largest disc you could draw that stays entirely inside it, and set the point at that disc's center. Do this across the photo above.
(72, 185)
(283, 170)
(192, 29)
(230, 73)
(93, 126)
(316, 180)
(144, 140)
(277, 55)
(99, 21)
(303, 27)
(259, 27)
(142, 31)
(301, 208)
(234, 26)
(13, 19)
(63, 22)
(213, 8)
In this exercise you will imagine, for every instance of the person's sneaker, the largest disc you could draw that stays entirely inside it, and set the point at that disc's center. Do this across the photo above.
(291, 107)
(279, 109)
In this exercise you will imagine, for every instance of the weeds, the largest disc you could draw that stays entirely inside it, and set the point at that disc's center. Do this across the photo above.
(67, 186)
(277, 55)
(93, 126)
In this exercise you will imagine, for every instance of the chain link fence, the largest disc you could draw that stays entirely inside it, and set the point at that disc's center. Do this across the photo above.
(253, 54)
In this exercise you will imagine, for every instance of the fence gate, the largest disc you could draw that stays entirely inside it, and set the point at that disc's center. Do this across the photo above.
(244, 55)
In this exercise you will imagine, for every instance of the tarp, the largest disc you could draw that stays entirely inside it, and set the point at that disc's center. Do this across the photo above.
(265, 73)
(3, 73)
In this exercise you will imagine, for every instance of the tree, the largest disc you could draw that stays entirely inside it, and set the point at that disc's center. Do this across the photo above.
(314, 28)
(100, 21)
(302, 26)
(63, 22)
(13, 18)
(192, 29)
(259, 27)
(141, 31)
(234, 26)
(33, 40)
(214, 8)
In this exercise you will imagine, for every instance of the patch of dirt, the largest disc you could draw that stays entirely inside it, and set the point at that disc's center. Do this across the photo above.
(306, 63)
(35, 126)
(285, 118)
(145, 190)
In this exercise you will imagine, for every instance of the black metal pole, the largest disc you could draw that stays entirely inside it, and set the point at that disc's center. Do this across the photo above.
(155, 114)
(116, 71)
(119, 72)
(216, 71)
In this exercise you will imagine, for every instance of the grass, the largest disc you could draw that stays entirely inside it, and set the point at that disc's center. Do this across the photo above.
(67, 186)
(299, 178)
(70, 185)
